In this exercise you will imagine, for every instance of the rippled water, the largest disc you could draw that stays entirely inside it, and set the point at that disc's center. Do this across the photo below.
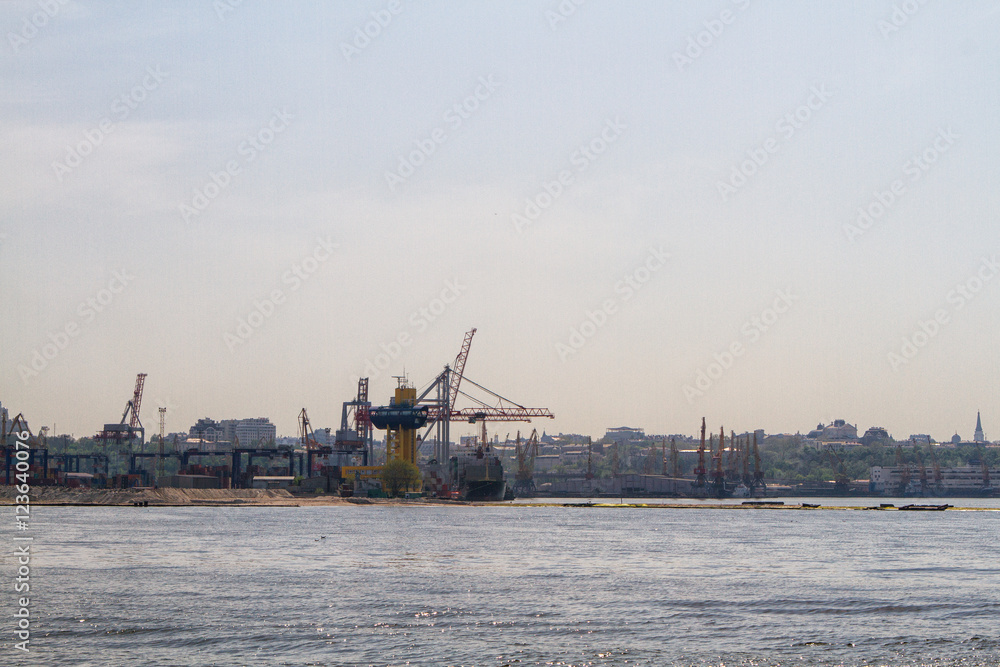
(380, 585)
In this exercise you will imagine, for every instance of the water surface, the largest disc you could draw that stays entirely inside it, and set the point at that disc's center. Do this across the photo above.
(433, 585)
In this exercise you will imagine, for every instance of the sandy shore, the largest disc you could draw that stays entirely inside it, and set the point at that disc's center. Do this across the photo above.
(60, 495)
(55, 495)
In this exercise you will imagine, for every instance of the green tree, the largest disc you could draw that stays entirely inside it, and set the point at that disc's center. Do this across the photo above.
(398, 476)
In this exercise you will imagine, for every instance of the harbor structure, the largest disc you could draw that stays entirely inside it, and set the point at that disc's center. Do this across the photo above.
(959, 481)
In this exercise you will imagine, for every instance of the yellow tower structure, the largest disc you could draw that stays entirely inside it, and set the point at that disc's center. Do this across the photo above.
(401, 441)
(401, 419)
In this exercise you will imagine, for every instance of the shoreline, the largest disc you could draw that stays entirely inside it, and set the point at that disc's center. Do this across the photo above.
(170, 497)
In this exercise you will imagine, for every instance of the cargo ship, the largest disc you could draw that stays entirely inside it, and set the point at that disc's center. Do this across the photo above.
(471, 475)
(479, 476)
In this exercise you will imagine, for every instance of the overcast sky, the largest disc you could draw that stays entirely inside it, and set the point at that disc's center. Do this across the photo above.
(768, 214)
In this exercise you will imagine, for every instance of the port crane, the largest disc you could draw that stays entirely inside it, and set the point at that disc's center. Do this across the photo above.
(36, 445)
(758, 473)
(127, 432)
(355, 416)
(17, 424)
(732, 459)
(746, 478)
(649, 466)
(306, 433)
(435, 409)
(699, 472)
(719, 477)
(160, 471)
(524, 482)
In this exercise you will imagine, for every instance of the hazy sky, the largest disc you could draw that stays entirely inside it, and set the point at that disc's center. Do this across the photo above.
(251, 203)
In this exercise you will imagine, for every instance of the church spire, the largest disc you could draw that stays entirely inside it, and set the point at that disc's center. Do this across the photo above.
(979, 437)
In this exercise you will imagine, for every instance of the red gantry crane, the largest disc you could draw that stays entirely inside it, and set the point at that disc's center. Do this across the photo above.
(441, 397)
(126, 432)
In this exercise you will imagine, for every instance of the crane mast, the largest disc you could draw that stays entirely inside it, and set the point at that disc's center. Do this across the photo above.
(160, 472)
(441, 411)
(758, 473)
(675, 462)
(306, 432)
(140, 380)
(748, 458)
(130, 427)
(699, 472)
(456, 374)
(524, 482)
(719, 481)
(434, 409)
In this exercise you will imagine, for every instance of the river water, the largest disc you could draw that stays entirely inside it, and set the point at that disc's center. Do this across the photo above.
(506, 585)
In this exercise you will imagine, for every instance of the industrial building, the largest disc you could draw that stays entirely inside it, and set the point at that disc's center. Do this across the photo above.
(959, 481)
(246, 430)
(622, 434)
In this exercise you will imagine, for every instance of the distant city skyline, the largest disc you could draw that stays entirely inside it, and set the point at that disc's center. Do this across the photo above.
(227, 425)
(769, 216)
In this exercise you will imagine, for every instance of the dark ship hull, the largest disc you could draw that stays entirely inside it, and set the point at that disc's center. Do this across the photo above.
(469, 476)
(490, 490)
(480, 477)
